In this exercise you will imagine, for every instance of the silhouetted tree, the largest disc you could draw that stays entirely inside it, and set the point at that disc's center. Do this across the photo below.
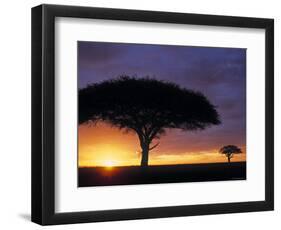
(147, 107)
(229, 151)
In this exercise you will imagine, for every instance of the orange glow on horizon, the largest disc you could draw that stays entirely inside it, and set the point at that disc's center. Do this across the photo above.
(106, 146)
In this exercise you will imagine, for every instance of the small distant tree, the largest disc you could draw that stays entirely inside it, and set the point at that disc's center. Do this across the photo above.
(146, 107)
(229, 151)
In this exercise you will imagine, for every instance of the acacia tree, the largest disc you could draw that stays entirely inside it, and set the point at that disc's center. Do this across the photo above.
(229, 151)
(147, 107)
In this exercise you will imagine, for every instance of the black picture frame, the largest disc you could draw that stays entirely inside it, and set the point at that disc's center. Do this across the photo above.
(43, 110)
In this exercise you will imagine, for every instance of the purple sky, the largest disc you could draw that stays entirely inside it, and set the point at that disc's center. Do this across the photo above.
(219, 73)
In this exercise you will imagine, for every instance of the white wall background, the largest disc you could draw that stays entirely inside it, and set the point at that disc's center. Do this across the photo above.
(15, 114)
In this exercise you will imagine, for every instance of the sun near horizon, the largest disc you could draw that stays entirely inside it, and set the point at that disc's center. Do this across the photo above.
(105, 146)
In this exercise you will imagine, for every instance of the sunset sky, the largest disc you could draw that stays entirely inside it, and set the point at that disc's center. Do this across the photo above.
(218, 73)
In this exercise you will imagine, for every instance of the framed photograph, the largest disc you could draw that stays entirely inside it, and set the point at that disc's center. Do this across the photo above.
(142, 114)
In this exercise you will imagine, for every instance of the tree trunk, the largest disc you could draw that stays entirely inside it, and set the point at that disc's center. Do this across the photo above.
(228, 157)
(145, 152)
(144, 157)
(144, 144)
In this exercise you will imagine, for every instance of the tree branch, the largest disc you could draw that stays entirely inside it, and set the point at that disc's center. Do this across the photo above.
(154, 146)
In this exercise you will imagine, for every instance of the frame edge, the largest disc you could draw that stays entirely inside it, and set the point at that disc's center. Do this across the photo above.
(36, 114)
(269, 110)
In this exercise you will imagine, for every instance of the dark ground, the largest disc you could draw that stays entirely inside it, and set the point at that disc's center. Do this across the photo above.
(100, 176)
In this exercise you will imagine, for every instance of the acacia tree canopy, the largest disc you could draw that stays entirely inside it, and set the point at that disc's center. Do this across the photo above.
(145, 106)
